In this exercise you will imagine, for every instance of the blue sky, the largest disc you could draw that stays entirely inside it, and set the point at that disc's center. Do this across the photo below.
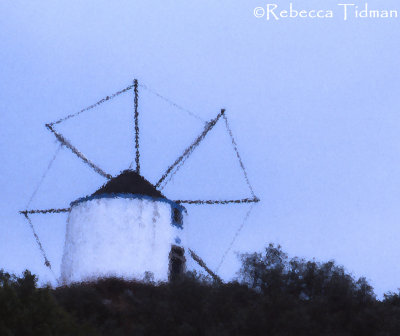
(313, 105)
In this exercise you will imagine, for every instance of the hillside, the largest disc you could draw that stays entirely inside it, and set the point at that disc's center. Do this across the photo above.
(273, 295)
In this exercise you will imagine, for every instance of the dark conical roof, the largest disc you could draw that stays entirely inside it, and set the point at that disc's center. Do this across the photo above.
(129, 182)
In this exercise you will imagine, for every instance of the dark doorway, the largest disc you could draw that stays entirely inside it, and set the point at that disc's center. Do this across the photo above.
(177, 262)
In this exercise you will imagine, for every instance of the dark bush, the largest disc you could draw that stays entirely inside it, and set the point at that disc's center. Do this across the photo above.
(273, 295)
(28, 310)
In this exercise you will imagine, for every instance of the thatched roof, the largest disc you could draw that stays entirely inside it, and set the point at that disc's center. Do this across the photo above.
(129, 182)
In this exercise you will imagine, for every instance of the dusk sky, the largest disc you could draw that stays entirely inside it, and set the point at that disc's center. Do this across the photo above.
(313, 105)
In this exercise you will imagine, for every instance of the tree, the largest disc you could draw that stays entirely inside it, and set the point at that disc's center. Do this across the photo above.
(28, 310)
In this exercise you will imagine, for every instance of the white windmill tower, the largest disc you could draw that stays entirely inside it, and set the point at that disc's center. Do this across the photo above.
(128, 228)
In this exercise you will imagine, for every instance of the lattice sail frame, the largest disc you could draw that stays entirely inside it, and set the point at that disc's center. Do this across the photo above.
(164, 179)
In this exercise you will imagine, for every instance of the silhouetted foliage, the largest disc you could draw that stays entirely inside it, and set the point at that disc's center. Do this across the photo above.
(273, 295)
(28, 310)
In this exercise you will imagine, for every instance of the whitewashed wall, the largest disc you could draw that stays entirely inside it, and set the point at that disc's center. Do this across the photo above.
(123, 237)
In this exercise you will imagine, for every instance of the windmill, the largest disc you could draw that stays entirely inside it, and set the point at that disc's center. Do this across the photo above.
(128, 227)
